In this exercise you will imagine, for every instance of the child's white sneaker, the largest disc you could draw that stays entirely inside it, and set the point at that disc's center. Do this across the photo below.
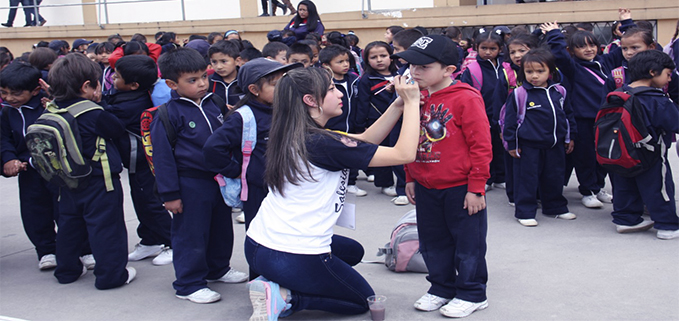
(529, 222)
(131, 274)
(389, 191)
(400, 200)
(370, 178)
(164, 258)
(566, 216)
(460, 308)
(204, 295)
(88, 261)
(668, 234)
(241, 218)
(232, 276)
(353, 189)
(591, 201)
(48, 261)
(429, 302)
(604, 197)
(142, 251)
(643, 226)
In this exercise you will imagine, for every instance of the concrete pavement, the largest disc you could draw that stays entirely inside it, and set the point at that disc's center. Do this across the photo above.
(560, 270)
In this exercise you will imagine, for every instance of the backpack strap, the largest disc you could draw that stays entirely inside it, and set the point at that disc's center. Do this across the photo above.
(595, 75)
(477, 75)
(162, 114)
(520, 97)
(619, 76)
(220, 103)
(248, 142)
(509, 76)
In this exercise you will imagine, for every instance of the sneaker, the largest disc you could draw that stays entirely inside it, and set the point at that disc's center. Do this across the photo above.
(389, 191)
(429, 302)
(131, 273)
(8, 25)
(500, 185)
(240, 218)
(604, 197)
(353, 189)
(232, 276)
(530, 222)
(84, 271)
(164, 258)
(400, 200)
(88, 261)
(591, 201)
(667, 234)
(512, 204)
(47, 262)
(566, 216)
(42, 22)
(236, 210)
(204, 295)
(267, 302)
(370, 178)
(489, 187)
(643, 226)
(142, 251)
(460, 308)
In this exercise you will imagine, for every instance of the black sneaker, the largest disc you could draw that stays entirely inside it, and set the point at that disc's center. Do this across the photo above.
(8, 25)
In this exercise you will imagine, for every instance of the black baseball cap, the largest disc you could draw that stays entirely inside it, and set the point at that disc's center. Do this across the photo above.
(255, 69)
(428, 49)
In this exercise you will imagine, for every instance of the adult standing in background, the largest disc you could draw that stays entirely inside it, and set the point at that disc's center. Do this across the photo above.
(306, 20)
(13, 13)
(34, 12)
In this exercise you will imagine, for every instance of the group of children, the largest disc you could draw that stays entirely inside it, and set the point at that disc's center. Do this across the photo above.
(516, 117)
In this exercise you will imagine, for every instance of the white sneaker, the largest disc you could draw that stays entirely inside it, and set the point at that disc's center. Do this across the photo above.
(371, 178)
(512, 204)
(643, 226)
(667, 234)
(530, 222)
(400, 200)
(604, 197)
(48, 261)
(204, 295)
(389, 191)
(164, 258)
(460, 308)
(429, 302)
(88, 261)
(241, 218)
(131, 273)
(591, 201)
(500, 185)
(566, 216)
(232, 276)
(142, 251)
(236, 210)
(353, 189)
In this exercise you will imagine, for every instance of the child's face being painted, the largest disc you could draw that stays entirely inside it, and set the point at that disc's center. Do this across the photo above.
(301, 58)
(488, 50)
(587, 52)
(433, 76)
(264, 93)
(191, 85)
(537, 74)
(281, 57)
(103, 57)
(516, 52)
(17, 98)
(339, 66)
(633, 45)
(661, 80)
(224, 65)
(379, 60)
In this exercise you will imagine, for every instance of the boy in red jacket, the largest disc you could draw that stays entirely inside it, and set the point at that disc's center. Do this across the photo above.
(448, 181)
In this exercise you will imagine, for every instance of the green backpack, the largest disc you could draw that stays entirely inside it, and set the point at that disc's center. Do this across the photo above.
(55, 146)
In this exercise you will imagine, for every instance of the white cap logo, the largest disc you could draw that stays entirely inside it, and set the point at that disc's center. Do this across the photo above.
(422, 43)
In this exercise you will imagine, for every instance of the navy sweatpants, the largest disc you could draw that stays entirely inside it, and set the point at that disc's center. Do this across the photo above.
(39, 211)
(94, 212)
(591, 176)
(453, 243)
(154, 221)
(398, 170)
(539, 169)
(497, 164)
(202, 236)
(631, 194)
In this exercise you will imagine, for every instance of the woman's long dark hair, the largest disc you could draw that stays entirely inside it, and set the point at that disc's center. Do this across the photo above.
(313, 18)
(291, 125)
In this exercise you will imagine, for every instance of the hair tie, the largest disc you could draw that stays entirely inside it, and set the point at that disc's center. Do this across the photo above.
(482, 30)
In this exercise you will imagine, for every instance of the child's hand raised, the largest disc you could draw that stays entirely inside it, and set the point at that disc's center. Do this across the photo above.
(624, 14)
(549, 26)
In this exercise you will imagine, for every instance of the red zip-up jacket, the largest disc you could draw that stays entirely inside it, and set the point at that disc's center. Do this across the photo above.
(454, 147)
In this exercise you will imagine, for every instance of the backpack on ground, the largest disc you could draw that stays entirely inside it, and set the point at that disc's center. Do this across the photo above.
(402, 253)
(235, 190)
(520, 98)
(56, 148)
(623, 144)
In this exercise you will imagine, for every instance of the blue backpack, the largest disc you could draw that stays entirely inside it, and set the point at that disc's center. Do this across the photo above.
(235, 190)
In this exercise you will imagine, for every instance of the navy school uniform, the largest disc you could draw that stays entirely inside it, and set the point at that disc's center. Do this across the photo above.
(226, 142)
(154, 220)
(499, 98)
(202, 236)
(38, 199)
(654, 187)
(672, 88)
(92, 211)
(491, 78)
(230, 93)
(347, 121)
(587, 80)
(369, 107)
(547, 126)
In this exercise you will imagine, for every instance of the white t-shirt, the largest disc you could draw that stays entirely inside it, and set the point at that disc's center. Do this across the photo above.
(302, 221)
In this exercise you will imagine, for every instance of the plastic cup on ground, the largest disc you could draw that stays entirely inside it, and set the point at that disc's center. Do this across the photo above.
(377, 304)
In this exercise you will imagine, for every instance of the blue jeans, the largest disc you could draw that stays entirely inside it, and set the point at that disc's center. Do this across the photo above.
(317, 282)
